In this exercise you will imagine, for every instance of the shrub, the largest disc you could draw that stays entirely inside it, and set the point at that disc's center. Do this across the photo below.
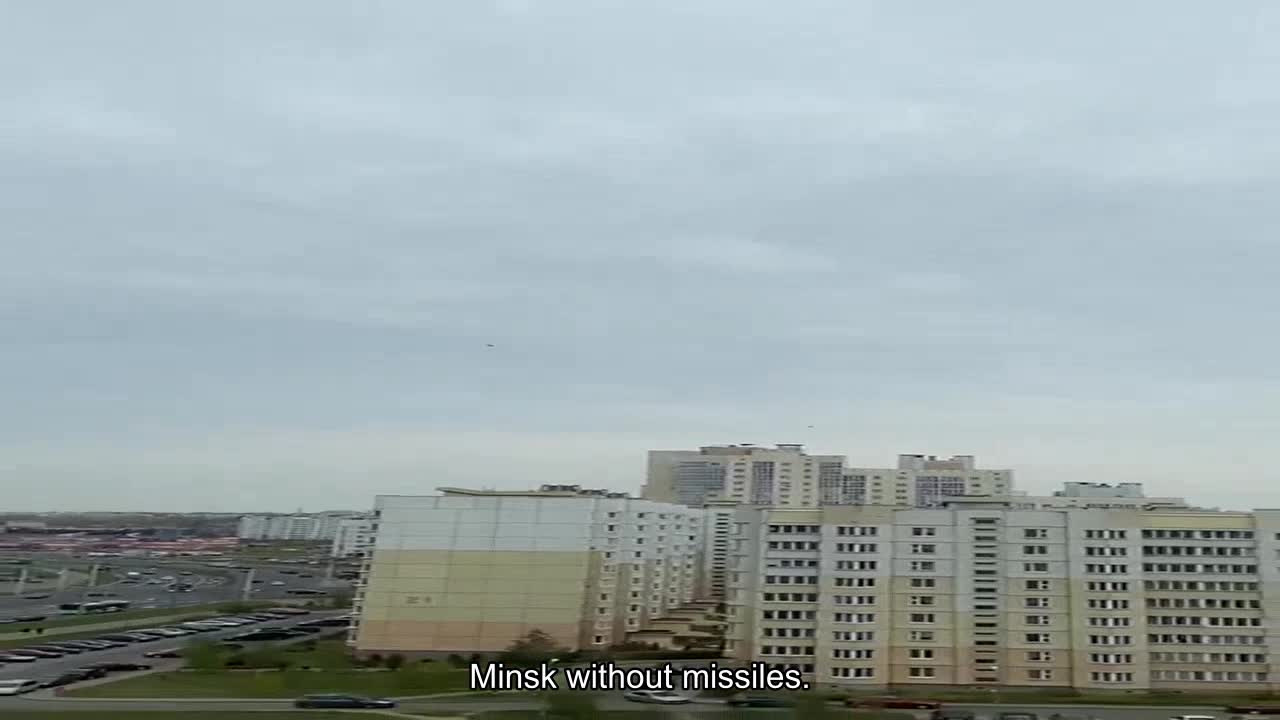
(395, 661)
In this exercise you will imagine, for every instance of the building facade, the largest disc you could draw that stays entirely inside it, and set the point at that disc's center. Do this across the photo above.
(320, 526)
(978, 593)
(786, 476)
(473, 571)
(783, 475)
(917, 481)
(353, 537)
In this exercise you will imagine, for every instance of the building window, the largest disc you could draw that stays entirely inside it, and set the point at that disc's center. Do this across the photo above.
(921, 636)
(921, 672)
(925, 618)
(923, 532)
(920, 653)
(1034, 533)
(924, 583)
(1039, 674)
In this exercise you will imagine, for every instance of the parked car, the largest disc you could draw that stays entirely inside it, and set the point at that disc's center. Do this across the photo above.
(18, 687)
(762, 701)
(171, 653)
(39, 652)
(661, 697)
(92, 672)
(118, 666)
(65, 678)
(342, 701)
(119, 638)
(16, 658)
(289, 611)
(892, 703)
(30, 618)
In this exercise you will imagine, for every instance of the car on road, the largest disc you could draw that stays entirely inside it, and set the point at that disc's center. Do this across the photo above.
(36, 597)
(760, 701)
(891, 703)
(16, 658)
(1253, 709)
(277, 583)
(29, 618)
(65, 678)
(92, 672)
(661, 697)
(18, 687)
(1193, 717)
(343, 701)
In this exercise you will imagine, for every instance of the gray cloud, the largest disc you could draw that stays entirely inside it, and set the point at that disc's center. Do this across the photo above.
(254, 254)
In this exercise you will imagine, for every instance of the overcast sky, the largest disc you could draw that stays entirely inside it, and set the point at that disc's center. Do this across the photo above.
(254, 254)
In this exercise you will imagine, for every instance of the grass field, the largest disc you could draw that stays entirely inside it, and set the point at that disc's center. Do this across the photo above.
(271, 684)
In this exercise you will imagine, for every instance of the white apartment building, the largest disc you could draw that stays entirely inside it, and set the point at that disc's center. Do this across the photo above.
(786, 476)
(917, 481)
(353, 537)
(472, 571)
(781, 475)
(978, 593)
(302, 527)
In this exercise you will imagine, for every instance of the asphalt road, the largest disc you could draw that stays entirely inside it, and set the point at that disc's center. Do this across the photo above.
(52, 667)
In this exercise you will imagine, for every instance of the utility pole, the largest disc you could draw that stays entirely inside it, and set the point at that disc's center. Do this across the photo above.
(248, 585)
(22, 582)
(62, 580)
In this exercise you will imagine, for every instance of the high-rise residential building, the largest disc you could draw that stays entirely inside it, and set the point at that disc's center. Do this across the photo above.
(781, 475)
(975, 592)
(472, 571)
(319, 526)
(918, 481)
(353, 537)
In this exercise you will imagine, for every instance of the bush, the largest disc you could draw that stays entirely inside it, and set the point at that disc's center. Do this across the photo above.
(535, 648)
(395, 661)
(456, 660)
(373, 660)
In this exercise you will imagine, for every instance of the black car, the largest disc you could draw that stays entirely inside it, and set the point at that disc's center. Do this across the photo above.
(342, 701)
(67, 648)
(163, 654)
(289, 611)
(761, 701)
(65, 678)
(107, 667)
(92, 672)
(36, 597)
(30, 618)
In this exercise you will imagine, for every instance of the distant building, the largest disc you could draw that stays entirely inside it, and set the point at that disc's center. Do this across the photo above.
(786, 476)
(783, 475)
(322, 526)
(354, 537)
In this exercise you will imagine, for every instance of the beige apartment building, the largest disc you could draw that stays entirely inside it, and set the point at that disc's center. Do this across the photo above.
(471, 571)
(786, 476)
(979, 593)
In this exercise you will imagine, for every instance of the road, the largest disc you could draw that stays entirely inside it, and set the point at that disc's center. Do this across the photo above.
(51, 667)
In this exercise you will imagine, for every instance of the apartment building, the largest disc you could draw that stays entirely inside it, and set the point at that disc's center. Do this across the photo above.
(783, 475)
(917, 481)
(472, 571)
(978, 593)
(353, 537)
(302, 527)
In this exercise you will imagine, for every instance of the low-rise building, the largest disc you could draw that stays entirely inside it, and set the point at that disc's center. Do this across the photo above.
(301, 527)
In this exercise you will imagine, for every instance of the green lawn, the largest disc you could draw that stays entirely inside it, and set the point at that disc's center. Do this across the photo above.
(271, 684)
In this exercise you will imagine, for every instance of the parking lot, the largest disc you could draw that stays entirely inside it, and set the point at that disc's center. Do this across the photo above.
(132, 647)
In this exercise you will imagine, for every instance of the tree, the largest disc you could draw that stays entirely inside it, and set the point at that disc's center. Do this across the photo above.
(534, 648)
(394, 661)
